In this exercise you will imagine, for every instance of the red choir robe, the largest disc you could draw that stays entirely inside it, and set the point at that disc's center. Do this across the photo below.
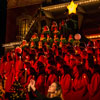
(9, 75)
(2, 68)
(13, 71)
(26, 84)
(66, 84)
(94, 87)
(80, 88)
(40, 84)
(52, 78)
(18, 67)
(28, 80)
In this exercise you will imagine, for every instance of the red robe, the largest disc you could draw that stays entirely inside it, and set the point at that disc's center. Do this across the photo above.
(66, 84)
(1, 68)
(94, 87)
(9, 75)
(80, 88)
(52, 78)
(40, 84)
(28, 80)
(18, 67)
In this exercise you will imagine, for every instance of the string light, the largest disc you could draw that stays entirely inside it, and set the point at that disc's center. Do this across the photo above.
(58, 6)
(11, 44)
(93, 36)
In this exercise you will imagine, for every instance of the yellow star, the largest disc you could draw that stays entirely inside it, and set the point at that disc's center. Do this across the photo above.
(72, 7)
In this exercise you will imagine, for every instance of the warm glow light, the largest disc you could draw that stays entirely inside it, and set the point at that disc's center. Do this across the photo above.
(58, 6)
(72, 7)
(11, 44)
(93, 36)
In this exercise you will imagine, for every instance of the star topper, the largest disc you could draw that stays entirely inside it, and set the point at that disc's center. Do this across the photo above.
(72, 7)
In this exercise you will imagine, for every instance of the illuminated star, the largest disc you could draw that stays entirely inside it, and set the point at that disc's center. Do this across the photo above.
(72, 7)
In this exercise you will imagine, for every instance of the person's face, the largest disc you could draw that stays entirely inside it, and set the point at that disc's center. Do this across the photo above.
(52, 88)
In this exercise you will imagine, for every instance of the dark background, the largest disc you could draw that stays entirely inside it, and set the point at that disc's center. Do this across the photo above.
(3, 10)
(55, 2)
